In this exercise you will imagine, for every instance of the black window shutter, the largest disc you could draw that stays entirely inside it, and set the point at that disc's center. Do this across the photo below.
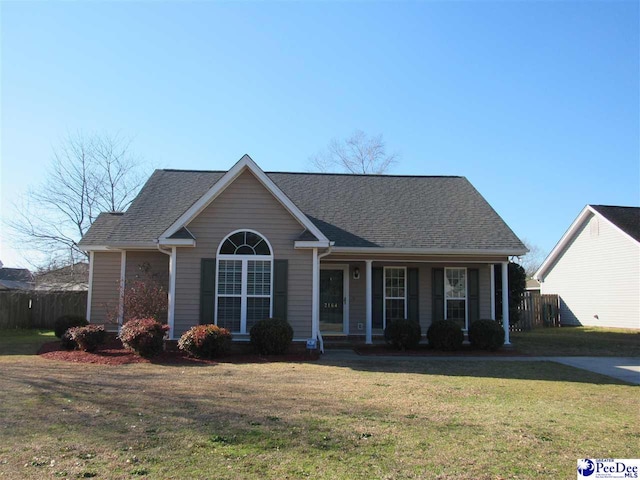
(413, 289)
(438, 294)
(377, 297)
(207, 290)
(280, 288)
(473, 282)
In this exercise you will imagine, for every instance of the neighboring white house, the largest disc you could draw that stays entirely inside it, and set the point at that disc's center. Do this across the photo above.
(595, 268)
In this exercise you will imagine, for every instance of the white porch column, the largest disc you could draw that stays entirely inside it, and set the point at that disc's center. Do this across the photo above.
(368, 316)
(123, 272)
(172, 291)
(90, 291)
(493, 290)
(505, 302)
(315, 296)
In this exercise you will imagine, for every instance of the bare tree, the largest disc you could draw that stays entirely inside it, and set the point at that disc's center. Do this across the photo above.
(358, 153)
(533, 259)
(88, 175)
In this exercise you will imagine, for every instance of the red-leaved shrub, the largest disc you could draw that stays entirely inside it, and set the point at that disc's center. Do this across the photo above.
(143, 336)
(87, 338)
(205, 341)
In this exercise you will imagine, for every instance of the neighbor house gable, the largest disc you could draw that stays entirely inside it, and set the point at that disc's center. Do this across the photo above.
(585, 215)
(244, 164)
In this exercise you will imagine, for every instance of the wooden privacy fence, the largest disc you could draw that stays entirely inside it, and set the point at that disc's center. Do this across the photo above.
(538, 310)
(34, 309)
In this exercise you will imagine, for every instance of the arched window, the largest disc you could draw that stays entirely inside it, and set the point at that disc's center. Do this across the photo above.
(244, 281)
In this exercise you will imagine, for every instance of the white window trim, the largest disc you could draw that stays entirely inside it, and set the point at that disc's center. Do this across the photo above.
(384, 294)
(245, 269)
(465, 298)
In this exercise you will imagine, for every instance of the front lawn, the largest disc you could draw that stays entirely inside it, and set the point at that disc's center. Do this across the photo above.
(23, 341)
(578, 341)
(360, 418)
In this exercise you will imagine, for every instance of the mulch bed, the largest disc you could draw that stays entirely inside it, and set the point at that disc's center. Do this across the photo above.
(425, 351)
(113, 353)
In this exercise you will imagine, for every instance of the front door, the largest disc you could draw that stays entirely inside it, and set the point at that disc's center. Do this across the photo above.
(332, 301)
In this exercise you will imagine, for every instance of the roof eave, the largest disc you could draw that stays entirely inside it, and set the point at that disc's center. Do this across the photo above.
(116, 247)
(177, 242)
(431, 251)
(312, 244)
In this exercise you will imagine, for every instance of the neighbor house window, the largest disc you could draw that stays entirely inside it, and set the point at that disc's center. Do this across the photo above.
(455, 296)
(395, 294)
(244, 286)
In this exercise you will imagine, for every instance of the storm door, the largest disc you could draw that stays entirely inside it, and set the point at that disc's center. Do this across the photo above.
(332, 301)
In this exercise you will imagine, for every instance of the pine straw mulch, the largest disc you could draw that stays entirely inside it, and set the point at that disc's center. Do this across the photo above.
(113, 353)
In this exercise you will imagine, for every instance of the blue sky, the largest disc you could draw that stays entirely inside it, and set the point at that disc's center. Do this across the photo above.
(536, 103)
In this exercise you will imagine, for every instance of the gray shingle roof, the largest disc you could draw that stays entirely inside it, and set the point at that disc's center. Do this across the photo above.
(351, 210)
(626, 219)
(102, 228)
(16, 279)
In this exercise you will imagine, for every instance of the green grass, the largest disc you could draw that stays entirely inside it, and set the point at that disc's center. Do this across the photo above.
(23, 341)
(356, 419)
(578, 341)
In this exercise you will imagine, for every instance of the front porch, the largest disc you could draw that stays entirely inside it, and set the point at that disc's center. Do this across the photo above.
(357, 296)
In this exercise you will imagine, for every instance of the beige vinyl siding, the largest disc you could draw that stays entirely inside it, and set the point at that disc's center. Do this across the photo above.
(157, 261)
(357, 291)
(244, 204)
(597, 274)
(105, 289)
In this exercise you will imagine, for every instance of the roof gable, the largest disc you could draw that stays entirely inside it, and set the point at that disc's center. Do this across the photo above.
(625, 219)
(244, 164)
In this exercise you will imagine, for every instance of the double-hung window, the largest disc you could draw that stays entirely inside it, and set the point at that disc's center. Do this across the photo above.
(244, 290)
(395, 294)
(455, 296)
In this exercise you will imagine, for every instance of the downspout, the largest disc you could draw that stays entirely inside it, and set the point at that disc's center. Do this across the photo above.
(317, 332)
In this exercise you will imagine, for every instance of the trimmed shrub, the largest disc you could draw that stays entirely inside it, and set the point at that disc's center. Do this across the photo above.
(271, 336)
(67, 342)
(486, 335)
(445, 335)
(402, 334)
(87, 338)
(143, 336)
(205, 341)
(65, 322)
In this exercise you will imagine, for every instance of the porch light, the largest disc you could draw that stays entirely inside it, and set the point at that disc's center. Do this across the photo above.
(356, 273)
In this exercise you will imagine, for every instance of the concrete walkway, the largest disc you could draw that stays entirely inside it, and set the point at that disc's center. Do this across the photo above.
(626, 369)
(621, 368)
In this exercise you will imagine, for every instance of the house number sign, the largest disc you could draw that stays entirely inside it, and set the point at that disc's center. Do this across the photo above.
(330, 305)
